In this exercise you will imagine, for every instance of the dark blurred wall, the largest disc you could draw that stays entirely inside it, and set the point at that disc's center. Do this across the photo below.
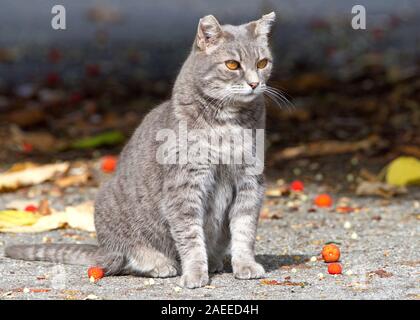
(309, 34)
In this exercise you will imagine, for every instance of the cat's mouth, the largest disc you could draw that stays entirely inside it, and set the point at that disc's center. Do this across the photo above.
(242, 91)
(247, 95)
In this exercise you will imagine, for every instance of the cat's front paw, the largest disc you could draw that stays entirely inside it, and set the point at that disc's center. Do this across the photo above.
(194, 280)
(245, 270)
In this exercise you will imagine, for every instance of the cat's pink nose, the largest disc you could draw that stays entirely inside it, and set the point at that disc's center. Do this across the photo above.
(253, 85)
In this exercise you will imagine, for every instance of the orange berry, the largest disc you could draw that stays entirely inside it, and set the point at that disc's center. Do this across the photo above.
(323, 200)
(297, 185)
(95, 273)
(335, 268)
(330, 253)
(109, 164)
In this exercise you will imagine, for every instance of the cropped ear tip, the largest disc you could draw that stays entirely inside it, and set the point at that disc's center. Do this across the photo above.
(270, 16)
(208, 17)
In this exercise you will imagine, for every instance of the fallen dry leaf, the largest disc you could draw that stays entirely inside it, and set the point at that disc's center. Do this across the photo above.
(39, 290)
(367, 188)
(44, 207)
(369, 176)
(42, 141)
(282, 283)
(277, 191)
(270, 214)
(25, 117)
(331, 147)
(81, 216)
(410, 150)
(77, 217)
(22, 166)
(31, 176)
(75, 180)
(381, 273)
(345, 209)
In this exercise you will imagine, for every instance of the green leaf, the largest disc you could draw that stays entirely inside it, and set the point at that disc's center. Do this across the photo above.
(107, 138)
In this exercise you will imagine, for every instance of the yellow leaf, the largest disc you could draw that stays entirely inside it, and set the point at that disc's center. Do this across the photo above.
(10, 218)
(76, 217)
(403, 171)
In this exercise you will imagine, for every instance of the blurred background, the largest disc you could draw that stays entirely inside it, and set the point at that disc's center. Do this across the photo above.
(79, 93)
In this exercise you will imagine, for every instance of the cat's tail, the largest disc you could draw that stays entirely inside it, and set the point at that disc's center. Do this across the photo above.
(82, 254)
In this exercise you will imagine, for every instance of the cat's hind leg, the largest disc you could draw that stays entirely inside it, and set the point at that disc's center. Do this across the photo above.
(149, 262)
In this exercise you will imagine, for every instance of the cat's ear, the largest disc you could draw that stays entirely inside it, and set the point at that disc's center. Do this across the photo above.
(262, 27)
(209, 33)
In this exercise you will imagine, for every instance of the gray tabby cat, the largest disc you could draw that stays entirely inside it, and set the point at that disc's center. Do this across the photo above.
(160, 220)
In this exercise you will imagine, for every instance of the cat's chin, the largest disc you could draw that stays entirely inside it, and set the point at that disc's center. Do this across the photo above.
(246, 98)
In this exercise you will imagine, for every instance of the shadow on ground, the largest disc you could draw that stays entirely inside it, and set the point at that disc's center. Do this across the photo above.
(272, 262)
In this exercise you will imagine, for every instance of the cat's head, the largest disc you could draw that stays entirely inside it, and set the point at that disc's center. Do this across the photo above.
(233, 61)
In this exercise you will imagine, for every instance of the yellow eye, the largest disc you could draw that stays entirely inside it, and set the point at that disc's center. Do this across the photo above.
(232, 64)
(262, 64)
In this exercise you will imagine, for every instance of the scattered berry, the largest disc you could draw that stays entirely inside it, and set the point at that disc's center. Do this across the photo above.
(297, 185)
(27, 147)
(95, 273)
(93, 70)
(323, 200)
(54, 55)
(52, 79)
(109, 163)
(31, 208)
(75, 97)
(330, 253)
(269, 282)
(334, 268)
(344, 209)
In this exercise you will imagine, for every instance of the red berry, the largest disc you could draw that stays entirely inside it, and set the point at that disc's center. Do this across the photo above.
(27, 147)
(95, 273)
(75, 97)
(93, 70)
(323, 200)
(109, 164)
(31, 208)
(54, 55)
(297, 185)
(53, 79)
(334, 268)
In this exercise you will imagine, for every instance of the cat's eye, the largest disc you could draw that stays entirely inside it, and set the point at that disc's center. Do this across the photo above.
(262, 63)
(232, 64)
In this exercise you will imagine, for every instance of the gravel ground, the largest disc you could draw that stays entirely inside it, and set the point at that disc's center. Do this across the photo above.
(380, 248)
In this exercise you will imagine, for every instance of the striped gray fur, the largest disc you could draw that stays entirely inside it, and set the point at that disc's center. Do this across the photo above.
(63, 253)
(162, 220)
